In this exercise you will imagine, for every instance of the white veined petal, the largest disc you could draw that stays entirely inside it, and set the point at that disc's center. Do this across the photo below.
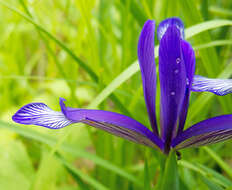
(40, 114)
(219, 87)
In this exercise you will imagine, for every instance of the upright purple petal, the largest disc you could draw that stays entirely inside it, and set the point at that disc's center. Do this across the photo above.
(147, 66)
(219, 87)
(189, 60)
(209, 131)
(172, 82)
(163, 26)
(114, 123)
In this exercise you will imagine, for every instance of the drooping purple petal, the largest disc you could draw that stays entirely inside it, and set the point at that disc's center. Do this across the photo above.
(189, 60)
(209, 131)
(172, 74)
(163, 26)
(219, 87)
(147, 66)
(40, 114)
(114, 123)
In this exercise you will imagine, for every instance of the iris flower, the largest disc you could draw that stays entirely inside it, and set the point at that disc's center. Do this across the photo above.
(177, 80)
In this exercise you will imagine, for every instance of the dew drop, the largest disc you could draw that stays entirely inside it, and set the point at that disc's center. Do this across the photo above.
(176, 71)
(178, 60)
(187, 81)
(173, 93)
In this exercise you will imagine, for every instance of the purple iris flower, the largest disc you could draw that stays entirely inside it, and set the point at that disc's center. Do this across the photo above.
(176, 74)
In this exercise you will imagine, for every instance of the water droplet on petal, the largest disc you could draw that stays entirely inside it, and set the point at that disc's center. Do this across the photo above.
(187, 81)
(176, 71)
(178, 60)
(173, 93)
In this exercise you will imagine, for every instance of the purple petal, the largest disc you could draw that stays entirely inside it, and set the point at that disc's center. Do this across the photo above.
(172, 81)
(209, 131)
(148, 71)
(219, 87)
(189, 60)
(163, 26)
(114, 123)
(40, 114)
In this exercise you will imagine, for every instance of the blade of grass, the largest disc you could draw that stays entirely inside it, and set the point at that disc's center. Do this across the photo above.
(92, 42)
(211, 185)
(219, 161)
(61, 44)
(204, 26)
(147, 185)
(138, 13)
(34, 77)
(208, 56)
(79, 174)
(215, 177)
(171, 176)
(219, 178)
(29, 133)
(220, 11)
(213, 43)
(61, 70)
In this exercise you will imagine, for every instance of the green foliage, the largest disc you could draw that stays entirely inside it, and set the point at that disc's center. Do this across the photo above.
(85, 51)
(170, 177)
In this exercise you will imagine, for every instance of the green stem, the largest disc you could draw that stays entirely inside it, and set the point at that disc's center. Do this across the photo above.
(168, 172)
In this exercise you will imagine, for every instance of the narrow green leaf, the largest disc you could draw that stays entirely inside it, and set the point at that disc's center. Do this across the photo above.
(218, 177)
(125, 75)
(170, 178)
(220, 162)
(204, 26)
(220, 11)
(29, 133)
(147, 185)
(77, 178)
(138, 14)
(206, 172)
(213, 43)
(61, 44)
(211, 185)
(79, 174)
(205, 9)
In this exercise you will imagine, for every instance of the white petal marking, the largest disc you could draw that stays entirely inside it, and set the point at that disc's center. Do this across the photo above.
(219, 87)
(40, 114)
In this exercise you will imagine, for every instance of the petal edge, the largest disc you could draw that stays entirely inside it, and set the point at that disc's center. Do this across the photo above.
(165, 24)
(209, 131)
(114, 123)
(146, 59)
(219, 87)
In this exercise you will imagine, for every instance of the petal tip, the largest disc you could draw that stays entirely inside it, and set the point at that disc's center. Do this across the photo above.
(62, 105)
(220, 87)
(40, 114)
(164, 25)
(149, 25)
(150, 22)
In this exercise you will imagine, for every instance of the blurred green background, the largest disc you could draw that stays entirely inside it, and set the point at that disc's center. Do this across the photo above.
(86, 51)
